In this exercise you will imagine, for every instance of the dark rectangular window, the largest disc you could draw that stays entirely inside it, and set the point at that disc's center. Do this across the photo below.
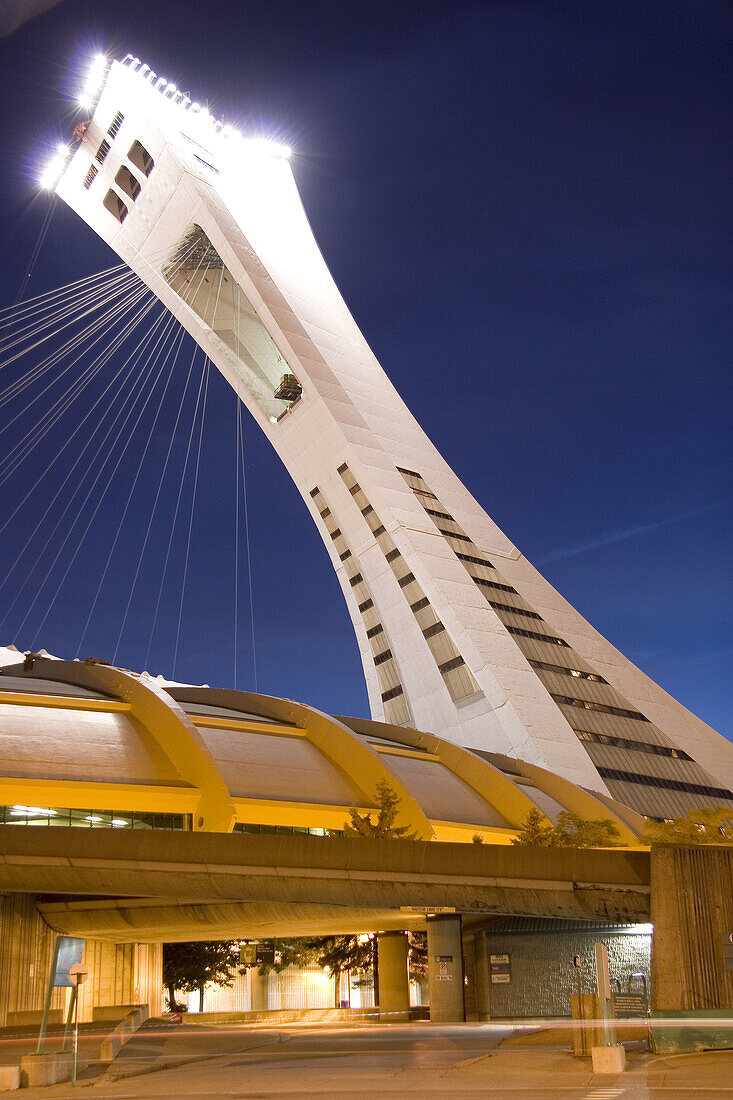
(342, 468)
(335, 534)
(325, 513)
(127, 183)
(453, 535)
(439, 515)
(315, 492)
(366, 605)
(545, 666)
(515, 610)
(115, 205)
(356, 488)
(420, 604)
(410, 473)
(101, 154)
(378, 629)
(665, 784)
(367, 510)
(378, 531)
(431, 631)
(356, 579)
(90, 176)
(345, 556)
(493, 584)
(141, 158)
(604, 708)
(393, 555)
(475, 561)
(449, 666)
(632, 746)
(392, 694)
(114, 126)
(522, 633)
(382, 657)
(407, 579)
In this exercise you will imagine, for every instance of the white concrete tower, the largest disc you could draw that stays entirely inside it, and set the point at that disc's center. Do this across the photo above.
(459, 634)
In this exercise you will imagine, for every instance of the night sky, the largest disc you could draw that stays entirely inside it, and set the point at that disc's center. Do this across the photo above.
(527, 208)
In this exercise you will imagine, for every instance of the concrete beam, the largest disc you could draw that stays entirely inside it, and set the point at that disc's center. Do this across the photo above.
(405, 876)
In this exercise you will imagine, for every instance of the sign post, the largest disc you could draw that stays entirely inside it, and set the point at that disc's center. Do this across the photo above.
(67, 953)
(78, 974)
(603, 982)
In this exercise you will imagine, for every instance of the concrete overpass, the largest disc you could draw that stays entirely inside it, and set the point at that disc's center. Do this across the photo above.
(194, 813)
(149, 886)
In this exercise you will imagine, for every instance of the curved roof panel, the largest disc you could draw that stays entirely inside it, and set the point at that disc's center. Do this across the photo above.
(73, 731)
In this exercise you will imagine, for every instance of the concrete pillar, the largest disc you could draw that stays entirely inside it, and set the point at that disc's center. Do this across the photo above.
(394, 986)
(259, 999)
(692, 914)
(445, 969)
(482, 981)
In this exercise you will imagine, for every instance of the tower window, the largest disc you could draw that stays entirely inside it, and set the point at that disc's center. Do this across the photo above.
(90, 176)
(101, 154)
(141, 158)
(114, 126)
(115, 205)
(127, 183)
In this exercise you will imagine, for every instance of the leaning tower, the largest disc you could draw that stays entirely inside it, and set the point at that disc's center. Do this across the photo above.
(458, 633)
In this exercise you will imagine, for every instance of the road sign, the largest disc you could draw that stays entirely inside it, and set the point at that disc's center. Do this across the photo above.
(501, 969)
(68, 954)
(630, 1004)
(445, 968)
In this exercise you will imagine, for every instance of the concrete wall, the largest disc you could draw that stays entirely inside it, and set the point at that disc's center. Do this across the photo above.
(692, 910)
(541, 967)
(122, 974)
(118, 973)
(26, 951)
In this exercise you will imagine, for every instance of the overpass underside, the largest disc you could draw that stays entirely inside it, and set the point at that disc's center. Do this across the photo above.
(150, 886)
(126, 893)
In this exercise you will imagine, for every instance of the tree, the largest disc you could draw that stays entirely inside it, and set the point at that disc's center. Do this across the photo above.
(536, 832)
(571, 831)
(702, 826)
(355, 955)
(384, 827)
(190, 966)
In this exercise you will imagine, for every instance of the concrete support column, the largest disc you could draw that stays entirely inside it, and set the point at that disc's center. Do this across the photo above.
(692, 914)
(394, 985)
(445, 969)
(259, 999)
(483, 978)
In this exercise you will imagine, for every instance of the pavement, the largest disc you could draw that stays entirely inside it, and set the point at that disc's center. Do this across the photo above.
(465, 1062)
(15, 1042)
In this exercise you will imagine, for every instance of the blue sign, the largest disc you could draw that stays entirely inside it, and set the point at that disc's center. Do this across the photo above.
(68, 953)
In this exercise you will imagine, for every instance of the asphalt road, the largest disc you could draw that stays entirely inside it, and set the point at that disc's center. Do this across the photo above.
(461, 1062)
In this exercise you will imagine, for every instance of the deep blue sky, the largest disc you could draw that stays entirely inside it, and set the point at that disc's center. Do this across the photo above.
(527, 207)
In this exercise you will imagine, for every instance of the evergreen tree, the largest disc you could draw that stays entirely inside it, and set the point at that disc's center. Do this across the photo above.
(571, 831)
(536, 832)
(190, 966)
(701, 826)
(384, 827)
